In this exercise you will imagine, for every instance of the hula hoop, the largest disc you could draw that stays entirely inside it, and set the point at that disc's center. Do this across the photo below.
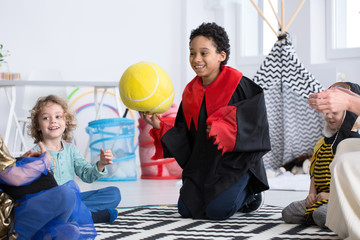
(90, 92)
(79, 109)
(87, 93)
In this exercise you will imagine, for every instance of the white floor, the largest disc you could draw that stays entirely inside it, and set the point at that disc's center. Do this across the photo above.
(154, 192)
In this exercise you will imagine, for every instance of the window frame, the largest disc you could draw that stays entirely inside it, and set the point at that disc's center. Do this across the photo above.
(331, 52)
(250, 60)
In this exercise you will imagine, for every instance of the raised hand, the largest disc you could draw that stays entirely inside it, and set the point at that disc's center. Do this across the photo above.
(153, 119)
(106, 158)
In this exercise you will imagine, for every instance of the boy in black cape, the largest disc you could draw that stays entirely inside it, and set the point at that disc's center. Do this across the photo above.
(220, 135)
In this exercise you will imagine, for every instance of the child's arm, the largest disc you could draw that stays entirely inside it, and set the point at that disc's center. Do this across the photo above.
(86, 171)
(311, 198)
(27, 170)
(335, 100)
(106, 158)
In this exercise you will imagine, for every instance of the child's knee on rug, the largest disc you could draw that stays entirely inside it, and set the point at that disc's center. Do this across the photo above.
(216, 211)
(100, 199)
(319, 216)
(183, 210)
(294, 212)
(114, 196)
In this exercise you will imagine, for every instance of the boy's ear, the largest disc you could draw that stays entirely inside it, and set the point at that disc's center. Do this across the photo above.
(222, 56)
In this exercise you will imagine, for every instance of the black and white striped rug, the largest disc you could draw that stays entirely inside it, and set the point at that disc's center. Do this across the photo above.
(164, 222)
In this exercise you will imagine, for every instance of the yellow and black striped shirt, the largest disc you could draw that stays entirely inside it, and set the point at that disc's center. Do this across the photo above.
(321, 173)
(320, 170)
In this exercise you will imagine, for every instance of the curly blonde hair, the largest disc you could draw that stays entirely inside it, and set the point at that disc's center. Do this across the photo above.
(33, 128)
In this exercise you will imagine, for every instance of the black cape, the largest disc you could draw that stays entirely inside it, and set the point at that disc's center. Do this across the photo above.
(206, 171)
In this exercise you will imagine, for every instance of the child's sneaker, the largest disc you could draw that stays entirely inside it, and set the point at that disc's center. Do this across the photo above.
(113, 214)
(105, 216)
(254, 204)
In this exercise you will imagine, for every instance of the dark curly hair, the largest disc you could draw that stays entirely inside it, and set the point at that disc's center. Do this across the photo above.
(36, 111)
(217, 34)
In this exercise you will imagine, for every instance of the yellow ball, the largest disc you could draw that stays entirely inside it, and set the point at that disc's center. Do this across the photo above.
(146, 87)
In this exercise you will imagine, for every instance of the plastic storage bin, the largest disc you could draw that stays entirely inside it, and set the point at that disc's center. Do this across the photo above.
(116, 134)
(164, 168)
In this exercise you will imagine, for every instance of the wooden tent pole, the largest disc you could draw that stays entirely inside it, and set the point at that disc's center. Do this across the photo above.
(277, 17)
(262, 15)
(282, 17)
(293, 16)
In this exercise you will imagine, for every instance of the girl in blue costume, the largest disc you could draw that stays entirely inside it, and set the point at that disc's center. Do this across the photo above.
(220, 134)
(52, 123)
(44, 210)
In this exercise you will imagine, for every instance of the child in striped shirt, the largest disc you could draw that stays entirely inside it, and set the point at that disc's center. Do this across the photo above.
(313, 209)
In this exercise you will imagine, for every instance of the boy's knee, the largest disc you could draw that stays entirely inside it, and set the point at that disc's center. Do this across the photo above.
(289, 216)
(115, 194)
(182, 209)
(217, 213)
(286, 216)
(294, 212)
(184, 212)
(319, 217)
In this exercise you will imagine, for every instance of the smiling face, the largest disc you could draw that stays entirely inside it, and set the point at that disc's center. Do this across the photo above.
(334, 120)
(204, 59)
(52, 122)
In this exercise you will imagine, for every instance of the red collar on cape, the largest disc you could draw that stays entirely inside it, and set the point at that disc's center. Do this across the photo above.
(217, 94)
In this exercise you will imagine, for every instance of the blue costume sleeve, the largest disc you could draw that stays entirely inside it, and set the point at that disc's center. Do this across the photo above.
(26, 170)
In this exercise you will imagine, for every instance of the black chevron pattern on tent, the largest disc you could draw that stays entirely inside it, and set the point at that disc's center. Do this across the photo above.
(294, 126)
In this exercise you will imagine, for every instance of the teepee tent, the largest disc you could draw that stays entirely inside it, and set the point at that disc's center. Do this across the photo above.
(294, 126)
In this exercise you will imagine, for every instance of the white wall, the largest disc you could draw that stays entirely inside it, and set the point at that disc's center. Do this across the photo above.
(91, 40)
(98, 39)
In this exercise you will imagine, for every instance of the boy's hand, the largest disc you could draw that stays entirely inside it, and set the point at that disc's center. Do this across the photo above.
(27, 154)
(47, 158)
(30, 153)
(153, 119)
(310, 199)
(322, 196)
(106, 158)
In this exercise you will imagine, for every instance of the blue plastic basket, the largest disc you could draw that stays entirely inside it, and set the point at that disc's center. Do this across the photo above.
(116, 134)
